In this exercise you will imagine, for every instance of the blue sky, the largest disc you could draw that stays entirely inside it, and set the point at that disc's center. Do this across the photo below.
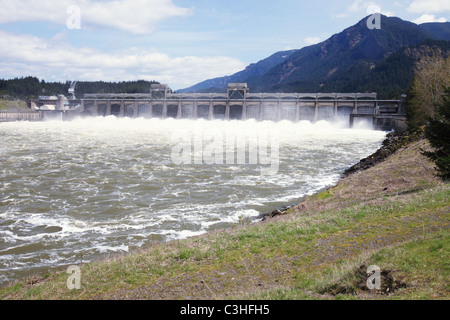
(178, 42)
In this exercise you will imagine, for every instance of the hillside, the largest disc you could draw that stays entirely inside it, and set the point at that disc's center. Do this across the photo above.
(438, 31)
(319, 249)
(254, 69)
(13, 105)
(390, 77)
(332, 65)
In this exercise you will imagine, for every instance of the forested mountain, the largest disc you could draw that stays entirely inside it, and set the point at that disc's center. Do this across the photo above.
(388, 77)
(355, 60)
(437, 31)
(254, 69)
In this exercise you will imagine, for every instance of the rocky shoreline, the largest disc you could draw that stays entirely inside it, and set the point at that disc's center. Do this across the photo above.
(393, 142)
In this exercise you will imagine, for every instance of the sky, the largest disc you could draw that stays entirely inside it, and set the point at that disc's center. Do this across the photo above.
(175, 42)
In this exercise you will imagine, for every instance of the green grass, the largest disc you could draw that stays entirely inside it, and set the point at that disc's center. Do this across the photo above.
(323, 195)
(6, 105)
(422, 265)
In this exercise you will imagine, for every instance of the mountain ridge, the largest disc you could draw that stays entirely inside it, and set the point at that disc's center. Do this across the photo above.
(259, 68)
(316, 68)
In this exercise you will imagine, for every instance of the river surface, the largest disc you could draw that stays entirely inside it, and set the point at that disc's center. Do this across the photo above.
(75, 191)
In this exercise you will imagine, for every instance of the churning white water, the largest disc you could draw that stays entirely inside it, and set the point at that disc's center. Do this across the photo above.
(76, 190)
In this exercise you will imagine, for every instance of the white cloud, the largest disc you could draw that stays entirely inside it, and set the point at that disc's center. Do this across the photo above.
(355, 6)
(311, 40)
(134, 16)
(427, 6)
(22, 55)
(351, 9)
(358, 6)
(429, 18)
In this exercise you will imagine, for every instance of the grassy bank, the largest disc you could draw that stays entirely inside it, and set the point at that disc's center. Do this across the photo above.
(13, 105)
(394, 215)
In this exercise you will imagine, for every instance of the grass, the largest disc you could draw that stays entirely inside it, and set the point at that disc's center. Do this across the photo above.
(420, 268)
(319, 250)
(13, 105)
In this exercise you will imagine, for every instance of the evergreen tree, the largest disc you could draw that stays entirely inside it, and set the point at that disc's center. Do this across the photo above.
(438, 133)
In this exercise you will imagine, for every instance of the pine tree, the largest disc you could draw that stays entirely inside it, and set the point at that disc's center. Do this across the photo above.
(438, 133)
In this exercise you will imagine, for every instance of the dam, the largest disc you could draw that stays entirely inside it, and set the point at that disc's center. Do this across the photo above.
(236, 104)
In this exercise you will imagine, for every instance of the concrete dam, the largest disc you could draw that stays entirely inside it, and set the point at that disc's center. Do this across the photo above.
(236, 104)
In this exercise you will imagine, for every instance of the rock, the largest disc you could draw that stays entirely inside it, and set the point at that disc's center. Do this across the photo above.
(392, 143)
(283, 210)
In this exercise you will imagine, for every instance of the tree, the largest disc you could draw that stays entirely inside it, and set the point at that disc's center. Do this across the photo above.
(432, 75)
(438, 133)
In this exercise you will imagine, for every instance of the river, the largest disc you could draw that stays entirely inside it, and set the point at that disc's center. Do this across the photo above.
(79, 190)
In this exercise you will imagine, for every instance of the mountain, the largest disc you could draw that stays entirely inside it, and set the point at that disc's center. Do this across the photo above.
(437, 31)
(333, 65)
(254, 69)
(390, 77)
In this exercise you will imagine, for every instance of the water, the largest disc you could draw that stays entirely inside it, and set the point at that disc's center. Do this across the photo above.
(86, 188)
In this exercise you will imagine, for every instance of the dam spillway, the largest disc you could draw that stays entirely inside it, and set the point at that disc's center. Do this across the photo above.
(239, 104)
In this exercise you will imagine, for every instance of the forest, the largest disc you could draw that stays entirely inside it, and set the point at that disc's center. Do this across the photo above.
(31, 87)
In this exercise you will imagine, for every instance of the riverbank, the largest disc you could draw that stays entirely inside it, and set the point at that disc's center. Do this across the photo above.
(13, 105)
(393, 214)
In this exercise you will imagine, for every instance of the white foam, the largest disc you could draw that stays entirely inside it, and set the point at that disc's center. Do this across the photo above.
(105, 248)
